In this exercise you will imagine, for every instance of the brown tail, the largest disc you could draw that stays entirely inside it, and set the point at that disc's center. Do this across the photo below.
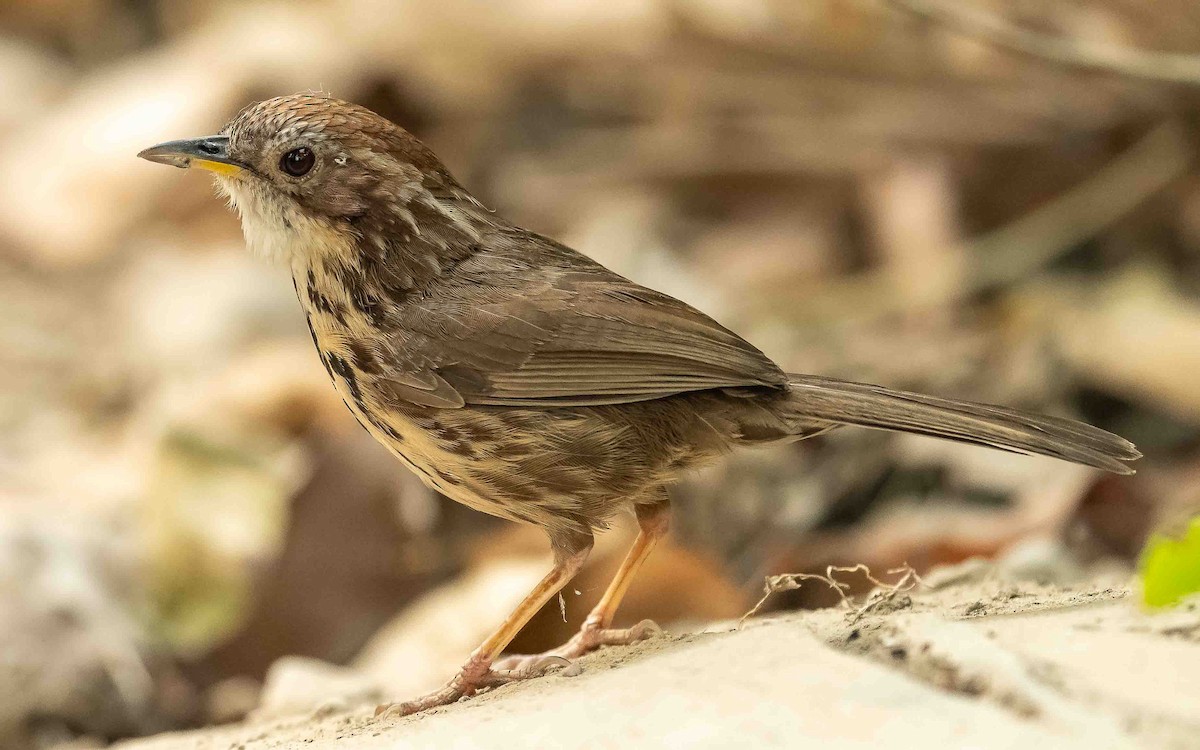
(982, 424)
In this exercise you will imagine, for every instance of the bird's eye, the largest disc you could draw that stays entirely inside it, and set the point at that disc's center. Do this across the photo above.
(298, 161)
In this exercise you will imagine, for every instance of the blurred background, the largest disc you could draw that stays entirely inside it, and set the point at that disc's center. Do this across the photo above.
(989, 200)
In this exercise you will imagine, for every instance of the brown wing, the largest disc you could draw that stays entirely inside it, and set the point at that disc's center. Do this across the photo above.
(552, 328)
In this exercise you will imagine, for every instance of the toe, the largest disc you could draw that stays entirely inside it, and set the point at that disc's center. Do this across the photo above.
(447, 695)
(396, 710)
(593, 639)
(511, 669)
(643, 630)
(524, 666)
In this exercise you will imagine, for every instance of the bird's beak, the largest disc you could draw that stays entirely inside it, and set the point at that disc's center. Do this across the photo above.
(211, 153)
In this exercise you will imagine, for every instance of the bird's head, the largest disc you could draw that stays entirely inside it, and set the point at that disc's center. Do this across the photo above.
(308, 172)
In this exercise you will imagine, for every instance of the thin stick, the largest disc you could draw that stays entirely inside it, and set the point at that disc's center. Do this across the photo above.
(888, 592)
(885, 592)
(1016, 250)
(791, 582)
(1036, 239)
(1165, 67)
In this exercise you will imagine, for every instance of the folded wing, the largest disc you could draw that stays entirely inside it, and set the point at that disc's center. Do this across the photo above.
(570, 334)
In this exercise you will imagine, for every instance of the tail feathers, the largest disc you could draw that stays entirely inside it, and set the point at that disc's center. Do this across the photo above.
(982, 424)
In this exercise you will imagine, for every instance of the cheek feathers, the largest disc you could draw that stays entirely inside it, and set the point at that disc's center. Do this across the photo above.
(276, 227)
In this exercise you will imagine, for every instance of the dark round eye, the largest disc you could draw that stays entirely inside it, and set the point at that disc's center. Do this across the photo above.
(298, 161)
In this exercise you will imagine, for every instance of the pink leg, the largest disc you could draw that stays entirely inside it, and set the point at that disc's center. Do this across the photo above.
(597, 629)
(478, 673)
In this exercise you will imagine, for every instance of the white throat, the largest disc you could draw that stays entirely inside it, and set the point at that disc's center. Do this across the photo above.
(275, 229)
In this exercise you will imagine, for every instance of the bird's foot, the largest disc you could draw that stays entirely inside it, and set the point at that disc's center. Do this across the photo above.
(475, 675)
(589, 638)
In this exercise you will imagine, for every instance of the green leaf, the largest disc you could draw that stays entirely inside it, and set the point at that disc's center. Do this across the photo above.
(1170, 567)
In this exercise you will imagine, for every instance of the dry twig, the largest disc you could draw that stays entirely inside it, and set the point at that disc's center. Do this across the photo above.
(1134, 63)
(884, 592)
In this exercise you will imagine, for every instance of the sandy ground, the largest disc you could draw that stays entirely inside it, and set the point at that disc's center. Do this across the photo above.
(968, 660)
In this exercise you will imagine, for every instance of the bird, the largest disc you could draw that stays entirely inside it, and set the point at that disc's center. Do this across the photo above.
(520, 377)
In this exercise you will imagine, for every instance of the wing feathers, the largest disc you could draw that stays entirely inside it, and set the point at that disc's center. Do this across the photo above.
(564, 331)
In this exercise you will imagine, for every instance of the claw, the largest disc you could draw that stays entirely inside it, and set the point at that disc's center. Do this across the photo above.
(548, 662)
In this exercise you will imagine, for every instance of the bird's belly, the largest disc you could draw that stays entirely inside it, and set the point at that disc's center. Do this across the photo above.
(555, 468)
(417, 448)
(567, 468)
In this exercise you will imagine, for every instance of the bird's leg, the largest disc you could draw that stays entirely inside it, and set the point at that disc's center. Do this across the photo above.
(597, 630)
(569, 556)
